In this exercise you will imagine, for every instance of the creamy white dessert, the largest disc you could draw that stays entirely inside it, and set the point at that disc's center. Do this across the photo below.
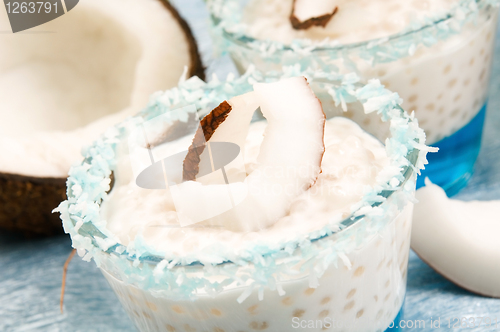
(355, 20)
(442, 75)
(329, 249)
(351, 162)
(364, 293)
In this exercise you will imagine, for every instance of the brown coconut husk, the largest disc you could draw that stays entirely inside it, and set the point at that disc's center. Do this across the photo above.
(26, 202)
(208, 125)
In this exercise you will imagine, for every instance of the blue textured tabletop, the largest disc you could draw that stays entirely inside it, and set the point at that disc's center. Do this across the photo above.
(30, 271)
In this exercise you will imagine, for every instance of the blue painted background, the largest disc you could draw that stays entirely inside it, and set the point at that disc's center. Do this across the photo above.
(30, 271)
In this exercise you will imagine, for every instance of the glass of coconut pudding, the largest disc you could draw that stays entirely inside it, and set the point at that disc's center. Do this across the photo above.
(271, 213)
(435, 53)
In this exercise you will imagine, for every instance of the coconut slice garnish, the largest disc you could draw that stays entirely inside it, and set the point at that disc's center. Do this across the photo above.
(60, 90)
(289, 160)
(308, 13)
(458, 239)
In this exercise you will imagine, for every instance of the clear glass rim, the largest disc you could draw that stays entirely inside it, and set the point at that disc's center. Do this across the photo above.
(245, 40)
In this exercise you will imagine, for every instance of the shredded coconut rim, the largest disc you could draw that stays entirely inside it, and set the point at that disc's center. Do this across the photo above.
(139, 264)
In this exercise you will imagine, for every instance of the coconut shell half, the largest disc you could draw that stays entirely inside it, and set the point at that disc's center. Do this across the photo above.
(34, 166)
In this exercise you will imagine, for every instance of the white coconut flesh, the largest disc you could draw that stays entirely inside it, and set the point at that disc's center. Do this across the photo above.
(460, 240)
(309, 9)
(63, 83)
(288, 162)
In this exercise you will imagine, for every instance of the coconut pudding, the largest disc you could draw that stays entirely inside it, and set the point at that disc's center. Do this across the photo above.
(306, 222)
(65, 82)
(436, 54)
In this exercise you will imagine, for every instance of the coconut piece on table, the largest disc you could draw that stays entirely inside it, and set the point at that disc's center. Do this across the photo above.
(289, 160)
(308, 13)
(59, 91)
(459, 240)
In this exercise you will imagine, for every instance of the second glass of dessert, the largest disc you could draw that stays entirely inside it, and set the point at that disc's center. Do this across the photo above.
(274, 212)
(435, 53)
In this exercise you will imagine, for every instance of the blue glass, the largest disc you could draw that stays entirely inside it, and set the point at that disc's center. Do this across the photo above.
(396, 322)
(452, 167)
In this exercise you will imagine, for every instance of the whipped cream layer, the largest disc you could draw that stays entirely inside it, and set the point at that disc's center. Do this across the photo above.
(350, 165)
(355, 20)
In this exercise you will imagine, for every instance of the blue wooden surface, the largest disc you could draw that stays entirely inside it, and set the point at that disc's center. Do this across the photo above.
(30, 271)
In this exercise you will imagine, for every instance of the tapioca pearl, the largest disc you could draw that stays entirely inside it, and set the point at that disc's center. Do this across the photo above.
(386, 84)
(457, 97)
(351, 293)
(412, 108)
(414, 81)
(151, 306)
(423, 122)
(133, 299)
(447, 69)
(379, 315)
(323, 314)
(253, 309)
(199, 314)
(387, 283)
(389, 263)
(381, 72)
(482, 51)
(375, 298)
(349, 305)
(441, 110)
(216, 312)
(287, 301)
(189, 328)
(439, 96)
(455, 112)
(387, 297)
(309, 291)
(360, 313)
(488, 36)
(452, 82)
(467, 82)
(482, 75)
(177, 309)
(380, 264)
(170, 328)
(325, 300)
(430, 107)
(359, 271)
(401, 247)
(366, 122)
(298, 313)
(471, 62)
(487, 58)
(412, 98)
